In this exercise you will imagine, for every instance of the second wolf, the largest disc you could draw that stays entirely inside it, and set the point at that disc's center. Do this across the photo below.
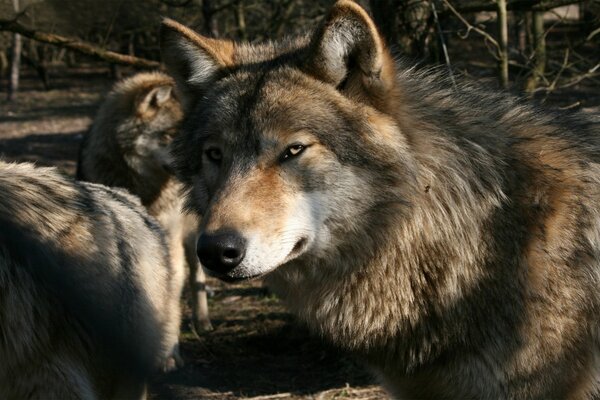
(89, 307)
(127, 147)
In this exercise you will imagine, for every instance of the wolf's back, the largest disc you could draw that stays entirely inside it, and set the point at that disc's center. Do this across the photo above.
(83, 270)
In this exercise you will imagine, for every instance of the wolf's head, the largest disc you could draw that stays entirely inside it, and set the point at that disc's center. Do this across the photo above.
(287, 148)
(150, 116)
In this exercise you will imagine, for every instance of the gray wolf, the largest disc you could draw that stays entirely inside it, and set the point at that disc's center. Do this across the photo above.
(449, 237)
(127, 147)
(86, 289)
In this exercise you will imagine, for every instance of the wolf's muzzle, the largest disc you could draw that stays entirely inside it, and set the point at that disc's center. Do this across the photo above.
(221, 251)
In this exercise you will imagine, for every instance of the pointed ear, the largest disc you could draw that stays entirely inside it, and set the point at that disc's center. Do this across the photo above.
(348, 52)
(154, 98)
(192, 59)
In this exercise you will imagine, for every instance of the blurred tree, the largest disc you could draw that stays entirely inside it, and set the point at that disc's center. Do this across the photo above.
(15, 67)
(408, 24)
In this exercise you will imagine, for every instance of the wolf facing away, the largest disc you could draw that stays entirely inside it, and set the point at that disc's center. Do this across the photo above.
(87, 304)
(127, 147)
(450, 237)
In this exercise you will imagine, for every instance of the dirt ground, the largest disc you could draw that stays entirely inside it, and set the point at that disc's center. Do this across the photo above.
(257, 350)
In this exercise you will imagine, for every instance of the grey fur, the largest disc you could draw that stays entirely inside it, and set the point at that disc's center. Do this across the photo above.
(448, 237)
(127, 147)
(87, 309)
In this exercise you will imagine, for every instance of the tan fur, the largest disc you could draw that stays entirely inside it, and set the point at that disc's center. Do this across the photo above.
(111, 155)
(220, 50)
(87, 304)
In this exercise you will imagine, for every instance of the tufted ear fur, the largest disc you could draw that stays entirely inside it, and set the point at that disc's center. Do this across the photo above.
(348, 52)
(154, 99)
(192, 59)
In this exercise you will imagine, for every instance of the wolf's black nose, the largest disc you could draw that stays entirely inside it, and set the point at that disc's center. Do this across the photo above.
(221, 251)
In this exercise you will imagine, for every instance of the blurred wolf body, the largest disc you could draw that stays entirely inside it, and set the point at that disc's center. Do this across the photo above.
(128, 147)
(87, 305)
(448, 236)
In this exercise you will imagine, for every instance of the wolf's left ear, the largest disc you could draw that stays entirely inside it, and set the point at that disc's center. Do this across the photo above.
(192, 59)
(348, 52)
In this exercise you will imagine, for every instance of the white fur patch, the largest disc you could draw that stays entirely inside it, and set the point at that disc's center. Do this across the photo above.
(265, 253)
(202, 65)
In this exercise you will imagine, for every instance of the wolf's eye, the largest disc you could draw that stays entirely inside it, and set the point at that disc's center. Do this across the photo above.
(292, 151)
(169, 133)
(214, 154)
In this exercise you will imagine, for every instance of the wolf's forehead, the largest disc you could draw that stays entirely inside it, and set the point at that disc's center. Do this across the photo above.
(272, 100)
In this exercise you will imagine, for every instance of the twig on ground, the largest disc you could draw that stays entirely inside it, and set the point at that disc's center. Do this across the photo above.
(570, 106)
(349, 392)
(271, 396)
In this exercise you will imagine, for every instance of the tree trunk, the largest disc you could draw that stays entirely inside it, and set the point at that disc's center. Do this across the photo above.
(503, 42)
(406, 24)
(210, 23)
(15, 66)
(384, 13)
(241, 21)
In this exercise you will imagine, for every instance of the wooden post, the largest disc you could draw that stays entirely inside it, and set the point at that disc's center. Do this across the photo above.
(503, 42)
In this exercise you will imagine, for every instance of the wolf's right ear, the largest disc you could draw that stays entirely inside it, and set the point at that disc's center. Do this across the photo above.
(348, 52)
(154, 98)
(192, 59)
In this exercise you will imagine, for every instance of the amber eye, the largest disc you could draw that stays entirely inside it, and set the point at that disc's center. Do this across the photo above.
(214, 154)
(293, 151)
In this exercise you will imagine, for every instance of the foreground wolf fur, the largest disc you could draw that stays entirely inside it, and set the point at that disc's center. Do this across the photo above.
(86, 289)
(127, 147)
(449, 237)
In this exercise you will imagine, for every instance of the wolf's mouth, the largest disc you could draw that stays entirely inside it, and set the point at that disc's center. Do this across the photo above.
(236, 279)
(231, 278)
(235, 276)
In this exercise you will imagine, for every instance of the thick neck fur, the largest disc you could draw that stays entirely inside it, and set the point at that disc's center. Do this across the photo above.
(351, 296)
(452, 270)
(413, 286)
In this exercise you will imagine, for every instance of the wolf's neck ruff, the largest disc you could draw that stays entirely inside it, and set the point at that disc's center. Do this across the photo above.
(449, 235)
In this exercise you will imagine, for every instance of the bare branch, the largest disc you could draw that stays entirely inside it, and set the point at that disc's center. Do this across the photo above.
(470, 27)
(514, 5)
(77, 45)
(591, 35)
(443, 43)
(552, 87)
(172, 3)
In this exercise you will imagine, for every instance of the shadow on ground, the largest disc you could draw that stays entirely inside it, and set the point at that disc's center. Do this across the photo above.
(49, 149)
(256, 350)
